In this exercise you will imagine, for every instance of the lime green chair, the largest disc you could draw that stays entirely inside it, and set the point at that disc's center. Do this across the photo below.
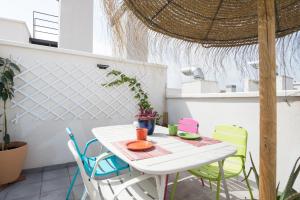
(233, 166)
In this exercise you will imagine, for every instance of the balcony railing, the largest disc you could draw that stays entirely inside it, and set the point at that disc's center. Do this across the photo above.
(45, 23)
(45, 29)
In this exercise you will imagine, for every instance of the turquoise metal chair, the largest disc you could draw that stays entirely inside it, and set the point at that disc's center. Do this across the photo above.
(103, 165)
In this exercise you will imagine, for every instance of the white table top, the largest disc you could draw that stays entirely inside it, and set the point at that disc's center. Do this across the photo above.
(184, 156)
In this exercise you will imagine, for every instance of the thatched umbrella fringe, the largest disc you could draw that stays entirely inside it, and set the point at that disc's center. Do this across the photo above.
(190, 52)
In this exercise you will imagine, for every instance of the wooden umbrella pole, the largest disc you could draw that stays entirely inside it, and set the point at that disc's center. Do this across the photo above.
(267, 91)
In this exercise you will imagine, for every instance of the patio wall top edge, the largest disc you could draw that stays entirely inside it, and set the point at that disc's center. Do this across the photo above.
(76, 53)
(280, 93)
(15, 20)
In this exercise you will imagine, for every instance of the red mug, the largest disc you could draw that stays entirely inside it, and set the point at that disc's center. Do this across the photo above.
(141, 133)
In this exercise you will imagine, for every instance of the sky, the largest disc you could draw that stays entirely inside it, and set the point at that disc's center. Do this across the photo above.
(23, 9)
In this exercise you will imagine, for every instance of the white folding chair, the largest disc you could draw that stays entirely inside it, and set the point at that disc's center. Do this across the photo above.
(133, 185)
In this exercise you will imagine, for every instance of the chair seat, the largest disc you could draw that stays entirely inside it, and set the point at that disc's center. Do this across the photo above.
(211, 171)
(108, 166)
(144, 190)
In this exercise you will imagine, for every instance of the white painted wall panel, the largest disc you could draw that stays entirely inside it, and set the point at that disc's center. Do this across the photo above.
(76, 25)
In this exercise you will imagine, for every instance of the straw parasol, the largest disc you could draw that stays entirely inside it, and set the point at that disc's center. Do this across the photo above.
(228, 24)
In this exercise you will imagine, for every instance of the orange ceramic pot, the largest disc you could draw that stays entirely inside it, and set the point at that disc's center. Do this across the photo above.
(12, 161)
(141, 133)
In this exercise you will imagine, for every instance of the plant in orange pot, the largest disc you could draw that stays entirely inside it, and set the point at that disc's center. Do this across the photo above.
(12, 154)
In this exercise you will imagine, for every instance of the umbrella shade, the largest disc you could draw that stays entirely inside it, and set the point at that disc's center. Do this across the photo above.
(217, 23)
(232, 23)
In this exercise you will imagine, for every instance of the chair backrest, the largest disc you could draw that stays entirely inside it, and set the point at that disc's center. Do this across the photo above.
(236, 136)
(83, 157)
(233, 134)
(90, 185)
(188, 125)
(72, 137)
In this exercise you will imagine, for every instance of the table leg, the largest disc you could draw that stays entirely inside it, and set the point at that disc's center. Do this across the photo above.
(223, 179)
(166, 187)
(161, 186)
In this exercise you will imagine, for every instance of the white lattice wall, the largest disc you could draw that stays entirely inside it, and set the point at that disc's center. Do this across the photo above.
(66, 91)
(60, 88)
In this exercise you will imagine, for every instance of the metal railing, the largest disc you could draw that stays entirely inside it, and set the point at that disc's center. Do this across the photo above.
(45, 23)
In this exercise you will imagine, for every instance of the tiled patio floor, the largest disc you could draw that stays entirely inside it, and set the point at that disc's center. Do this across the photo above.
(52, 183)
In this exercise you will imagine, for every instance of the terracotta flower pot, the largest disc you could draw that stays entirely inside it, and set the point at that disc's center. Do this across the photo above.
(12, 161)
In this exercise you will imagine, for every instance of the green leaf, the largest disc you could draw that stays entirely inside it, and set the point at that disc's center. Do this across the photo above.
(254, 170)
(295, 196)
(4, 96)
(293, 176)
(16, 67)
(3, 79)
(134, 86)
(1, 62)
(8, 75)
(1, 86)
(10, 95)
(6, 139)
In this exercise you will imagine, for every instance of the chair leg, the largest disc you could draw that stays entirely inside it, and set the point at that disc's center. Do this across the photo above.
(210, 186)
(84, 195)
(248, 184)
(202, 182)
(72, 183)
(218, 188)
(172, 196)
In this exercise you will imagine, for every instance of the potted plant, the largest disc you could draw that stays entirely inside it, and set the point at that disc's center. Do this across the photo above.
(147, 119)
(289, 193)
(146, 116)
(12, 154)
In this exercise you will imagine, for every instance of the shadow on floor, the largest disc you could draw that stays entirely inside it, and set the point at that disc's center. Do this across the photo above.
(190, 188)
(52, 184)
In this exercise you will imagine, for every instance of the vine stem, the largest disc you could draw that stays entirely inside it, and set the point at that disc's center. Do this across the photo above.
(134, 85)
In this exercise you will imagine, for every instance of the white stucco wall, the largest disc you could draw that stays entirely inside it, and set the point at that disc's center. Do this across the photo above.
(14, 30)
(76, 25)
(243, 109)
(62, 88)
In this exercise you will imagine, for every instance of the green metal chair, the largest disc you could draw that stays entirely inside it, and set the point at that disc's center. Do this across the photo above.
(233, 166)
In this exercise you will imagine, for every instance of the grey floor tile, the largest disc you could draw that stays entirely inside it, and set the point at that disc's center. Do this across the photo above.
(53, 174)
(55, 184)
(32, 171)
(78, 191)
(55, 167)
(72, 170)
(35, 197)
(3, 192)
(55, 195)
(31, 178)
(190, 188)
(23, 191)
(57, 181)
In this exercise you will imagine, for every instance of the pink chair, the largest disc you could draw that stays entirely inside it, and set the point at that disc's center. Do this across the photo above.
(188, 125)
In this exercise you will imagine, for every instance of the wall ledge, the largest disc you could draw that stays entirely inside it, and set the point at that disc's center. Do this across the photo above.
(77, 53)
(281, 93)
(17, 21)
